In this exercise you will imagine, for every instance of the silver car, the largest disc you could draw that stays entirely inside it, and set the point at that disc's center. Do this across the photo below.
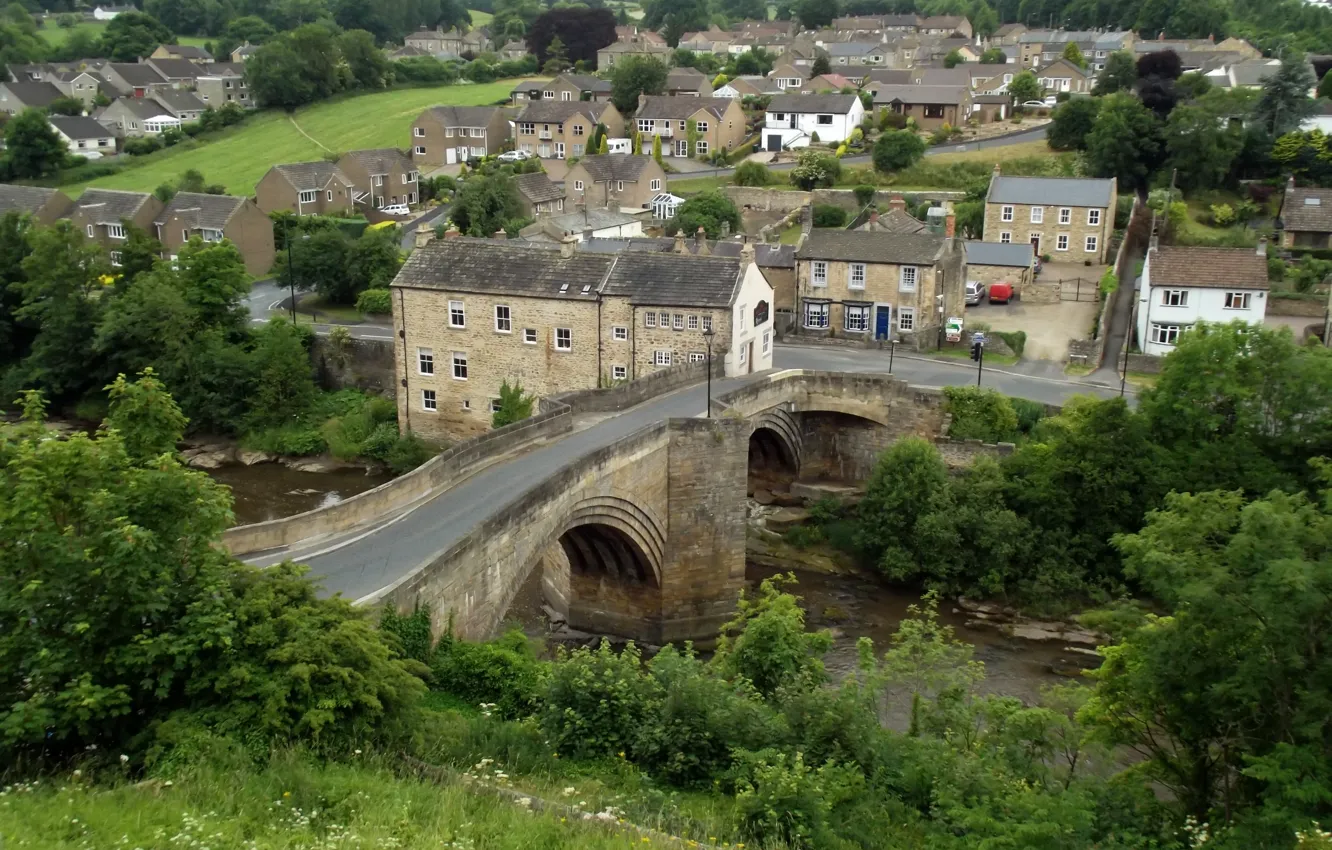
(975, 292)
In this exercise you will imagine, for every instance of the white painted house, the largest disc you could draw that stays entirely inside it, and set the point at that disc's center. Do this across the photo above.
(751, 325)
(792, 120)
(84, 136)
(1183, 286)
(108, 13)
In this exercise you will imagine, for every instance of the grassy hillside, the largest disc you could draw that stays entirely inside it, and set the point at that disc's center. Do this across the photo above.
(239, 157)
(56, 36)
(479, 18)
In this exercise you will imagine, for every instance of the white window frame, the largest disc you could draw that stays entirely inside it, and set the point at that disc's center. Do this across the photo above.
(908, 279)
(503, 319)
(816, 309)
(91, 232)
(661, 357)
(529, 336)
(819, 273)
(767, 341)
(459, 363)
(429, 402)
(707, 323)
(1065, 215)
(693, 322)
(578, 185)
(701, 148)
(620, 333)
(1091, 245)
(117, 258)
(1006, 213)
(906, 318)
(619, 373)
(568, 339)
(457, 314)
(1005, 237)
(1166, 333)
(1244, 298)
(664, 320)
(425, 361)
(677, 322)
(655, 185)
(650, 319)
(1038, 215)
(1094, 218)
(1061, 242)
(115, 231)
(861, 312)
(1174, 298)
(418, 132)
(855, 276)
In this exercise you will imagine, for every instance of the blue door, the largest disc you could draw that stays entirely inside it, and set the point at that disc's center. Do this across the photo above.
(881, 317)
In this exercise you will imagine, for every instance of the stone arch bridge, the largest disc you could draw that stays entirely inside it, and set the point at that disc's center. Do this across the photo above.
(645, 537)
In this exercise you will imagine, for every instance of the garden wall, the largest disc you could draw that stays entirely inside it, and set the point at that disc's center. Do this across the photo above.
(361, 364)
(783, 200)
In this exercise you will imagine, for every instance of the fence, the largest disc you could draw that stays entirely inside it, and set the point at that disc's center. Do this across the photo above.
(1078, 289)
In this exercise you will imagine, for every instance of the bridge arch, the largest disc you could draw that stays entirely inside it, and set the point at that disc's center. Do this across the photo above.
(776, 447)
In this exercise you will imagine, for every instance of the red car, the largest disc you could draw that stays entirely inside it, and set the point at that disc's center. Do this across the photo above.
(1001, 293)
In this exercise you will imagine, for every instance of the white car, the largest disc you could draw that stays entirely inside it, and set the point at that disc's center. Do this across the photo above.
(396, 209)
(514, 156)
(1034, 104)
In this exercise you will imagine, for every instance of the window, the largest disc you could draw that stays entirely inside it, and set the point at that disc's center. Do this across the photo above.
(1174, 298)
(645, 125)
(744, 354)
(619, 373)
(679, 322)
(697, 357)
(460, 365)
(578, 185)
(619, 185)
(1165, 334)
(707, 324)
(1093, 217)
(661, 358)
(655, 185)
(428, 401)
(457, 316)
(856, 276)
(495, 405)
(578, 150)
(820, 273)
(330, 191)
(564, 339)
(308, 196)
(1234, 300)
(1005, 237)
(767, 341)
(1091, 245)
(377, 180)
(566, 95)
(816, 314)
(425, 361)
(526, 128)
(906, 318)
(503, 320)
(115, 231)
(1061, 242)
(825, 119)
(548, 95)
(855, 318)
(619, 333)
(664, 319)
(934, 110)
(693, 323)
(578, 129)
(116, 258)
(740, 318)
(702, 126)
(1038, 215)
(418, 132)
(90, 230)
(908, 282)
(701, 148)
(529, 336)
(1006, 214)
(649, 320)
(1065, 215)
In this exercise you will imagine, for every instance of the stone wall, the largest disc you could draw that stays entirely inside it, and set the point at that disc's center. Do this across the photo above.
(841, 447)
(1041, 292)
(361, 364)
(1148, 363)
(785, 201)
(626, 395)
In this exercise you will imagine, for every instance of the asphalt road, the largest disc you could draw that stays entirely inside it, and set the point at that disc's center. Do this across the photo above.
(362, 563)
(266, 296)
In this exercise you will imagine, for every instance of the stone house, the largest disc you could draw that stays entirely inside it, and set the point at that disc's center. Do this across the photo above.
(615, 181)
(223, 83)
(103, 214)
(1063, 76)
(561, 129)
(565, 87)
(306, 188)
(471, 314)
(16, 97)
(197, 55)
(688, 82)
(1069, 218)
(946, 25)
(1000, 262)
(1306, 217)
(385, 175)
(180, 73)
(83, 85)
(46, 206)
(931, 106)
(83, 136)
(871, 285)
(786, 76)
(444, 135)
(513, 51)
(213, 218)
(862, 54)
(639, 46)
(451, 42)
(130, 117)
(719, 124)
(538, 195)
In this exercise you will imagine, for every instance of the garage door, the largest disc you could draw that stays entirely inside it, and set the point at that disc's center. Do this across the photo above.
(450, 156)
(774, 141)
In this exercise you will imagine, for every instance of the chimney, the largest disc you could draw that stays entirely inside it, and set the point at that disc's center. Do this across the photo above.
(499, 234)
(452, 233)
(1262, 247)
(950, 226)
(700, 242)
(567, 243)
(746, 255)
(424, 236)
(725, 229)
(679, 247)
(898, 202)
(874, 217)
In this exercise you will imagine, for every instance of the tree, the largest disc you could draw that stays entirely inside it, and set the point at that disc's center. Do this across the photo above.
(514, 406)
(145, 417)
(953, 59)
(814, 14)
(927, 658)
(212, 277)
(1125, 141)
(284, 383)
(1201, 146)
(189, 17)
(32, 148)
(1199, 19)
(909, 482)
(994, 56)
(557, 58)
(65, 106)
(485, 204)
(1325, 86)
(896, 150)
(656, 147)
(297, 68)
(1024, 87)
(373, 261)
(634, 76)
(1071, 121)
(1074, 54)
(741, 10)
(708, 210)
(1285, 101)
(368, 65)
(820, 66)
(1120, 74)
(131, 36)
(582, 31)
(676, 17)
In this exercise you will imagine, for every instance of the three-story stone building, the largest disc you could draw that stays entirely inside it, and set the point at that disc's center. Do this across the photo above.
(1069, 218)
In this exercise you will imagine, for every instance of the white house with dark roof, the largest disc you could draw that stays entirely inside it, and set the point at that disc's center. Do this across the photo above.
(792, 120)
(1183, 286)
(84, 136)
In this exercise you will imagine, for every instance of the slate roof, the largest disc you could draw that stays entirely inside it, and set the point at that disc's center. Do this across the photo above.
(34, 94)
(854, 48)
(685, 78)
(998, 254)
(577, 222)
(177, 69)
(836, 103)
(202, 211)
(24, 199)
(136, 74)
(920, 94)
(1214, 268)
(893, 221)
(463, 116)
(1307, 210)
(1069, 191)
(110, 206)
(79, 127)
(890, 76)
(482, 265)
(537, 188)
(615, 166)
(224, 69)
(559, 111)
(674, 279)
(143, 107)
(382, 160)
(587, 82)
(681, 108)
(311, 175)
(959, 76)
(178, 100)
(187, 51)
(774, 256)
(868, 247)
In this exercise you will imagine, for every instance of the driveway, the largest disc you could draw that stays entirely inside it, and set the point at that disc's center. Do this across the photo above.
(1049, 327)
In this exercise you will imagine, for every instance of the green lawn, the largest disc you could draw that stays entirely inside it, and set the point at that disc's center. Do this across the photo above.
(479, 18)
(56, 36)
(237, 158)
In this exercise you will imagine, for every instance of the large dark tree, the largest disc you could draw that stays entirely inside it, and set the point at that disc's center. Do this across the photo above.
(636, 75)
(1157, 73)
(584, 31)
(190, 17)
(295, 69)
(132, 35)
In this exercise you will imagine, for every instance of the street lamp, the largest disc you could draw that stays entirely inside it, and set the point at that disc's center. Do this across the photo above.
(291, 275)
(707, 336)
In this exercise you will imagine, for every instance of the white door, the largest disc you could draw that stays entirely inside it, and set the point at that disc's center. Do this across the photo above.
(450, 156)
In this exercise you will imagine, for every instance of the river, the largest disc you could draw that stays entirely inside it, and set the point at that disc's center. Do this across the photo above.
(267, 491)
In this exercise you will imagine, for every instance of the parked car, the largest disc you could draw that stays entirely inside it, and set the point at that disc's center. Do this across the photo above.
(1034, 104)
(395, 209)
(975, 292)
(514, 156)
(1001, 293)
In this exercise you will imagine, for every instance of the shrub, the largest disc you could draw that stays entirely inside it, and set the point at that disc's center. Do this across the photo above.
(1109, 283)
(141, 146)
(412, 633)
(803, 536)
(829, 215)
(896, 150)
(889, 120)
(1223, 215)
(408, 452)
(1015, 340)
(983, 414)
(375, 301)
(505, 673)
(296, 440)
(597, 701)
(865, 194)
(752, 174)
(781, 800)
(1276, 268)
(1028, 413)
(515, 405)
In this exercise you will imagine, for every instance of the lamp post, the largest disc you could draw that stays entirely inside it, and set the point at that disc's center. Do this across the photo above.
(291, 274)
(707, 337)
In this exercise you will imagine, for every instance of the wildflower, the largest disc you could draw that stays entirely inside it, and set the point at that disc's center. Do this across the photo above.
(77, 774)
(358, 752)
(645, 839)
(569, 791)
(124, 759)
(286, 793)
(621, 753)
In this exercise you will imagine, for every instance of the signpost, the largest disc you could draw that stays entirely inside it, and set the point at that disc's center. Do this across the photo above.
(978, 354)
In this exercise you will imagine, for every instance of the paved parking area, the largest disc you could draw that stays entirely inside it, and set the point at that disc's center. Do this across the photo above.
(1049, 327)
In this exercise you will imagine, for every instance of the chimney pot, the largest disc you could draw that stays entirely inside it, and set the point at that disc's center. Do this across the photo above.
(897, 202)
(950, 225)
(874, 216)
(679, 241)
(567, 246)
(424, 236)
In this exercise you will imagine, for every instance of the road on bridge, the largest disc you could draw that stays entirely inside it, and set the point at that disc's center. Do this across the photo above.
(363, 562)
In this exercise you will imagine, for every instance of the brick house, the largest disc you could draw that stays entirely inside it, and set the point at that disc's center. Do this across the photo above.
(46, 206)
(561, 129)
(1069, 218)
(213, 218)
(565, 87)
(444, 135)
(1306, 217)
(306, 188)
(719, 124)
(615, 181)
(871, 285)
(473, 313)
(538, 195)
(102, 215)
(386, 175)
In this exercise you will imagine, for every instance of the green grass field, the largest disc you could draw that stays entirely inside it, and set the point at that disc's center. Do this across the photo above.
(479, 18)
(237, 158)
(56, 36)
